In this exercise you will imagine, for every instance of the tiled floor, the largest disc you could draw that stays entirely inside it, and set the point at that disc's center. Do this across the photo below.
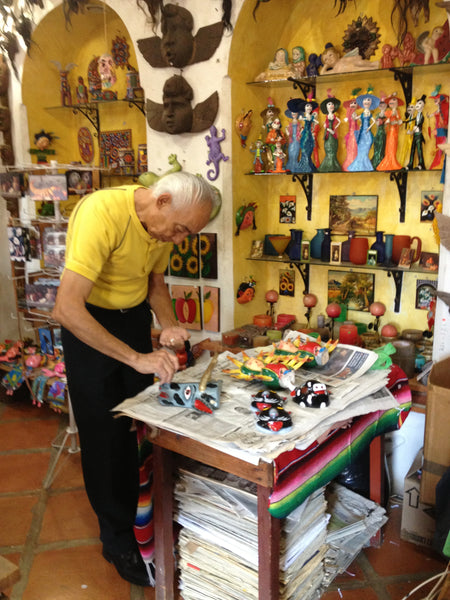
(52, 534)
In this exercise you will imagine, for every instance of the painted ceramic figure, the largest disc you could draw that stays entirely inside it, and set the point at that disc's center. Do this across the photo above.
(293, 131)
(393, 122)
(279, 156)
(440, 124)
(258, 149)
(418, 139)
(379, 140)
(107, 71)
(274, 134)
(243, 125)
(307, 141)
(299, 61)
(275, 376)
(405, 150)
(368, 102)
(314, 64)
(279, 68)
(65, 91)
(351, 146)
(333, 62)
(82, 94)
(329, 107)
(270, 113)
(315, 132)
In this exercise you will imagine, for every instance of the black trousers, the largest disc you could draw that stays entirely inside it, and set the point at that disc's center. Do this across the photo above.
(109, 451)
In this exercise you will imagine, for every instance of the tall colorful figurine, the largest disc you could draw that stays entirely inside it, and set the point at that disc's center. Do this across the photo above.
(293, 131)
(351, 117)
(440, 124)
(368, 102)
(66, 94)
(379, 140)
(393, 122)
(258, 149)
(418, 139)
(307, 141)
(279, 156)
(275, 134)
(329, 106)
(405, 150)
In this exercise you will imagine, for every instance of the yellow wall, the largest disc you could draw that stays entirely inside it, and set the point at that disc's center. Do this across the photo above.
(91, 35)
(312, 25)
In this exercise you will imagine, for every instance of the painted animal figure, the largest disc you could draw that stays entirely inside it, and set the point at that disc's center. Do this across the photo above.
(215, 154)
(147, 179)
(312, 394)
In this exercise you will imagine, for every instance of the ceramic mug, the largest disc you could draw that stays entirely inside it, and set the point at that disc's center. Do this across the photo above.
(405, 241)
(358, 250)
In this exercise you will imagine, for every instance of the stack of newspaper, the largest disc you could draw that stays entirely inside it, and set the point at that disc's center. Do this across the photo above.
(218, 545)
(354, 521)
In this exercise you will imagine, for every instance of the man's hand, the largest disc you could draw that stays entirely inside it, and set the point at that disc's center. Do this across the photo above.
(174, 337)
(162, 363)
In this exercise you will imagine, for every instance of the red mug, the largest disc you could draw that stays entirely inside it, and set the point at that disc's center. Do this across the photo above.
(358, 250)
(405, 241)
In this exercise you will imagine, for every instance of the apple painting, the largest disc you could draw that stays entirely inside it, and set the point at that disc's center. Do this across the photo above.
(186, 306)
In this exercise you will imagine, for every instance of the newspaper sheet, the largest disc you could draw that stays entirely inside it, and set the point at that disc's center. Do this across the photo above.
(353, 389)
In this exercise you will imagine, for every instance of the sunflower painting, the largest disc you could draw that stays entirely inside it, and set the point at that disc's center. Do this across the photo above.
(208, 255)
(184, 260)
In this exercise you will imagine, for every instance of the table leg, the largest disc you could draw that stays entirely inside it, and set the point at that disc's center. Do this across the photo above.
(268, 548)
(163, 523)
(377, 477)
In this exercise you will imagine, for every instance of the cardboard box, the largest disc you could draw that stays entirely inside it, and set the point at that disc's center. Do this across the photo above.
(418, 523)
(436, 449)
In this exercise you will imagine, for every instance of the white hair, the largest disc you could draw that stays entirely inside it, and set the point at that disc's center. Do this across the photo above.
(187, 189)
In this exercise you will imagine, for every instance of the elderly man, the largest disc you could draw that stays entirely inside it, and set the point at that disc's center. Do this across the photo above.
(118, 245)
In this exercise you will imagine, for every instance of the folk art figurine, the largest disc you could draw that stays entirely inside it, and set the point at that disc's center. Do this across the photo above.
(42, 141)
(308, 114)
(440, 124)
(108, 78)
(405, 149)
(279, 156)
(298, 61)
(418, 138)
(351, 146)
(246, 291)
(279, 68)
(82, 93)
(329, 106)
(293, 131)
(245, 216)
(215, 154)
(270, 113)
(393, 122)
(259, 150)
(379, 140)
(368, 102)
(243, 124)
(64, 87)
(333, 62)
(275, 134)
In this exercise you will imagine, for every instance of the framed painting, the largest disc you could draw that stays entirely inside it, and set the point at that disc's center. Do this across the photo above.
(287, 282)
(335, 252)
(44, 188)
(184, 261)
(287, 209)
(425, 292)
(110, 143)
(208, 255)
(355, 290)
(186, 306)
(211, 308)
(353, 213)
(429, 202)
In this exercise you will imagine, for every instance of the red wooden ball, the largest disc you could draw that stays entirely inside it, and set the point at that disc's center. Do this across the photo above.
(309, 300)
(333, 310)
(377, 309)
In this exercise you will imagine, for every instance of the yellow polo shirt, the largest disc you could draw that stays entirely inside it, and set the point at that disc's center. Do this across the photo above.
(107, 244)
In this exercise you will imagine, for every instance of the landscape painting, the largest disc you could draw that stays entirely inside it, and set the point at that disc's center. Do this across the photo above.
(356, 290)
(353, 213)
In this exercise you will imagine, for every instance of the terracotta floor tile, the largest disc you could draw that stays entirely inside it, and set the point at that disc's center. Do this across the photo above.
(25, 435)
(397, 591)
(353, 573)
(23, 472)
(15, 519)
(79, 573)
(14, 558)
(67, 473)
(23, 410)
(68, 516)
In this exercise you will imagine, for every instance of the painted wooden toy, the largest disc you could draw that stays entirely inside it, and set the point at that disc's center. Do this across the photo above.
(312, 394)
(66, 94)
(275, 375)
(266, 399)
(292, 353)
(274, 419)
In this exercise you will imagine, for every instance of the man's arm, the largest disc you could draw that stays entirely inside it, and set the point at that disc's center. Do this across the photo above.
(71, 312)
(161, 303)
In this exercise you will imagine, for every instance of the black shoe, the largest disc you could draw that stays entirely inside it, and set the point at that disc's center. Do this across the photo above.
(130, 566)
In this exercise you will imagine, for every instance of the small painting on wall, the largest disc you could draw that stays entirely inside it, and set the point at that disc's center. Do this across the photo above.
(353, 213)
(287, 282)
(425, 292)
(211, 308)
(429, 202)
(355, 290)
(208, 255)
(287, 209)
(186, 306)
(47, 187)
(184, 258)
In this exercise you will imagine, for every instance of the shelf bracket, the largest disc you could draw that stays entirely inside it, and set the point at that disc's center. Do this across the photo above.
(398, 280)
(305, 86)
(405, 77)
(139, 104)
(401, 179)
(90, 113)
(303, 269)
(306, 181)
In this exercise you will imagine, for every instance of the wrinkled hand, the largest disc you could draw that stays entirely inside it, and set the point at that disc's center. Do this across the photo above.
(174, 337)
(162, 363)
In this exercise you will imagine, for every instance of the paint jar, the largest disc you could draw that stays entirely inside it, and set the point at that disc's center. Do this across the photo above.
(348, 333)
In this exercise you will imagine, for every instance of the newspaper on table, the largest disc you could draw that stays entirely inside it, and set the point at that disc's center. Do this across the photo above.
(353, 388)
